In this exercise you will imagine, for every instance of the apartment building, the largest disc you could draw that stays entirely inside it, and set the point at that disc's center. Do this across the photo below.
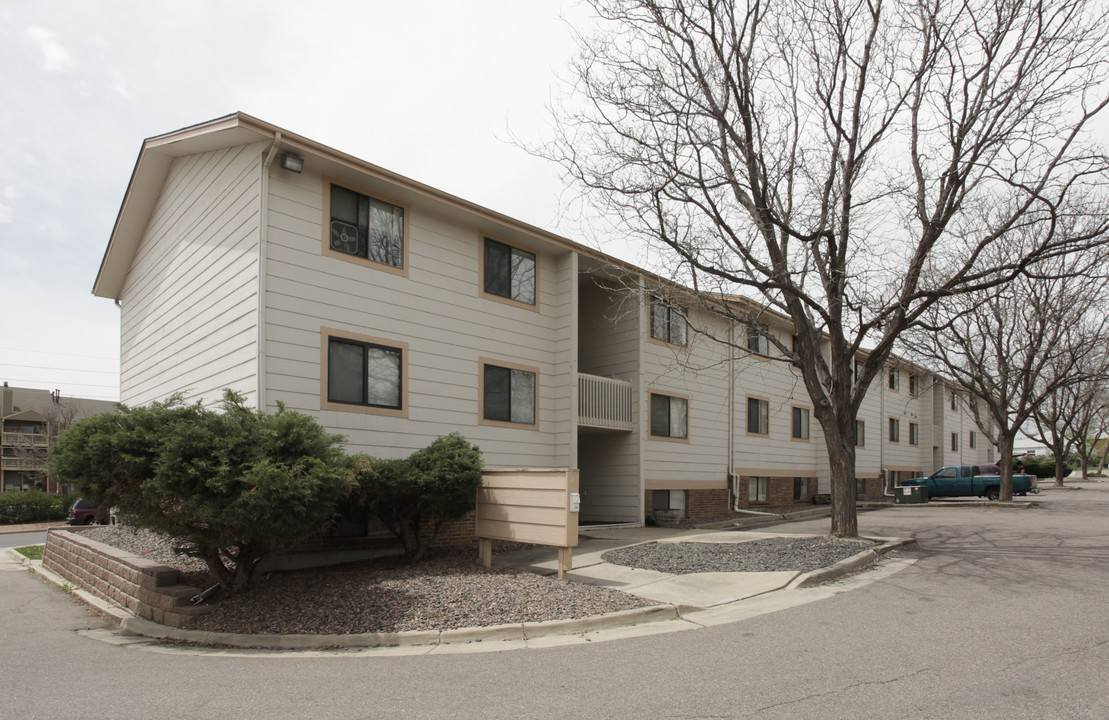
(31, 420)
(248, 257)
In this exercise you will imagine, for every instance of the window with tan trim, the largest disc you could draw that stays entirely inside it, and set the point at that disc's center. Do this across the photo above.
(914, 434)
(668, 323)
(364, 229)
(509, 274)
(669, 416)
(800, 423)
(360, 373)
(860, 433)
(758, 488)
(895, 430)
(509, 394)
(758, 416)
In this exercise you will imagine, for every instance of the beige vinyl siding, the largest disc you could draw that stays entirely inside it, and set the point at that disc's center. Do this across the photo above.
(778, 382)
(436, 310)
(608, 346)
(702, 460)
(613, 493)
(608, 331)
(189, 303)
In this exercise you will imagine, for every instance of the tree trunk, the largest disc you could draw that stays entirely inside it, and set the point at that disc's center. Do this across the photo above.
(1058, 470)
(1005, 462)
(841, 462)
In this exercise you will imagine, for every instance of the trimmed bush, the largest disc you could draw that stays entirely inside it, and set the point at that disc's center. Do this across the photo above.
(1042, 467)
(28, 506)
(233, 486)
(425, 490)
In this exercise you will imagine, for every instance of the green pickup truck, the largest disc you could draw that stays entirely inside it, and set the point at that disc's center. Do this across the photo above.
(972, 481)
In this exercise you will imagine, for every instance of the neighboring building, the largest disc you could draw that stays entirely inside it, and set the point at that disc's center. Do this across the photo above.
(31, 421)
(248, 257)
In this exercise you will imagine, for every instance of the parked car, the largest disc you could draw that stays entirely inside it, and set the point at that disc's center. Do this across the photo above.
(972, 480)
(83, 512)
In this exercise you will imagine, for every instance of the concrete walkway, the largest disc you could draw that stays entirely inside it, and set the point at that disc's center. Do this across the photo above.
(686, 602)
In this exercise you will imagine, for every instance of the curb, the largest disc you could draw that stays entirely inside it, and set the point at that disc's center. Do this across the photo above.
(132, 625)
(849, 565)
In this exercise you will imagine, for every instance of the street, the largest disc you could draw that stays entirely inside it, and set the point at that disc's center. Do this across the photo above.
(1001, 616)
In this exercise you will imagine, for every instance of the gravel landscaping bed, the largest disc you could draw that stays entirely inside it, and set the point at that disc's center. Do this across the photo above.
(450, 589)
(801, 554)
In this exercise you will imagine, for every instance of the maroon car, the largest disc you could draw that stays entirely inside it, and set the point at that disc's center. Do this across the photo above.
(83, 512)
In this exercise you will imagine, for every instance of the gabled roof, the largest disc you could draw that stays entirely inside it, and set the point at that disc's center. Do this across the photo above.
(157, 155)
(30, 415)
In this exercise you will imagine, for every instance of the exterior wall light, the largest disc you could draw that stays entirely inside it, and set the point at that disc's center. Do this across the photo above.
(295, 163)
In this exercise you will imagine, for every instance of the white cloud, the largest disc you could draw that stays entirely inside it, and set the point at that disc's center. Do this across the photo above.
(55, 58)
(6, 214)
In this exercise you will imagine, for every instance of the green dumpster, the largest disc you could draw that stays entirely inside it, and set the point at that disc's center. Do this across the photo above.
(910, 494)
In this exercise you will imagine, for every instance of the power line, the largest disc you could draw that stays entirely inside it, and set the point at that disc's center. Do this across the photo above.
(49, 352)
(61, 369)
(52, 382)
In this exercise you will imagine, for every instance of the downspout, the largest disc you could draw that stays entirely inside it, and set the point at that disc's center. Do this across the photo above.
(883, 426)
(733, 479)
(263, 238)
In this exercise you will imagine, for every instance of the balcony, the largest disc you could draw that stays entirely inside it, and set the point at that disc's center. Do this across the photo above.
(20, 463)
(22, 439)
(604, 402)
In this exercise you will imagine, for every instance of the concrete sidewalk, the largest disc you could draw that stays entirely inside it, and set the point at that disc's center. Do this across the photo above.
(686, 602)
(690, 592)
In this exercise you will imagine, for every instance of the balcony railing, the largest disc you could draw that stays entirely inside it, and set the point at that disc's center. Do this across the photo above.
(25, 439)
(19, 463)
(604, 402)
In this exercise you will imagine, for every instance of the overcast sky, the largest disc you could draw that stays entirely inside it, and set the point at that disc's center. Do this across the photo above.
(431, 90)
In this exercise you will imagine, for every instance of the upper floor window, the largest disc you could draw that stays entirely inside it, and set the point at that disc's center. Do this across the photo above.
(367, 228)
(860, 433)
(669, 416)
(757, 341)
(973, 440)
(508, 394)
(954, 400)
(895, 379)
(914, 434)
(800, 423)
(758, 416)
(668, 323)
(914, 385)
(895, 430)
(954, 442)
(509, 272)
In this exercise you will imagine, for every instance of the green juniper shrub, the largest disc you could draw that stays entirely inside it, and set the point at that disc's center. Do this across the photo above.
(425, 490)
(232, 486)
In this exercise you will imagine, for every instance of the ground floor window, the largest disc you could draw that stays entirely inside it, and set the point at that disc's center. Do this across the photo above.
(860, 487)
(758, 488)
(669, 500)
(801, 487)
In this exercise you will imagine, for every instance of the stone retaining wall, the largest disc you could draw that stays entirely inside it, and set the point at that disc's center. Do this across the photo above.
(147, 589)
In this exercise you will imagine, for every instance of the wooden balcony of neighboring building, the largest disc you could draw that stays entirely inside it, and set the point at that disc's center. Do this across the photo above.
(24, 439)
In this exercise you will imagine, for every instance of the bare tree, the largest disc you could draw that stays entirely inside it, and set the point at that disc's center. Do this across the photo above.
(850, 163)
(1020, 349)
(1073, 416)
